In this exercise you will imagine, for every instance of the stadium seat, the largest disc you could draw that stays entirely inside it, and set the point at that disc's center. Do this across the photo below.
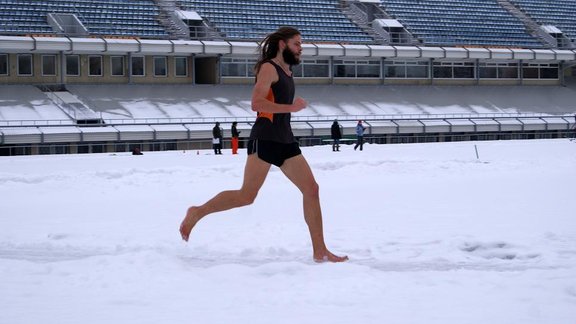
(464, 22)
(318, 20)
(559, 13)
(136, 18)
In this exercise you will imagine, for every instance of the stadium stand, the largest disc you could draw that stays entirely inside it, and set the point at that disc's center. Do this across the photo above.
(431, 22)
(558, 13)
(471, 22)
(319, 20)
(135, 18)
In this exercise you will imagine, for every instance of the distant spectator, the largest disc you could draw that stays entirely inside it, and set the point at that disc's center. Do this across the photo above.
(336, 136)
(359, 135)
(235, 138)
(217, 139)
(574, 128)
(136, 151)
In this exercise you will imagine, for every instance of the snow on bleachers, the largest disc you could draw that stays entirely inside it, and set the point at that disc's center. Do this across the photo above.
(206, 103)
(26, 102)
(233, 101)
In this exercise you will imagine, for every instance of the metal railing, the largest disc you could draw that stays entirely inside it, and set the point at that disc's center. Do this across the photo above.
(323, 118)
(206, 144)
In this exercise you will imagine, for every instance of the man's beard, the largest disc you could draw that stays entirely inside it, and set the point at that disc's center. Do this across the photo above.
(289, 57)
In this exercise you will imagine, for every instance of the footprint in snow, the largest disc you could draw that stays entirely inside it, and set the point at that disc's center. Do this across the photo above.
(496, 250)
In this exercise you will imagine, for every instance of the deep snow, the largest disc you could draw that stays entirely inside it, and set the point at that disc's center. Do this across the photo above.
(434, 235)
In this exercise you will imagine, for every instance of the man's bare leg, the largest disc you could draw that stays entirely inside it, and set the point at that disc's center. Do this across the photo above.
(255, 173)
(299, 172)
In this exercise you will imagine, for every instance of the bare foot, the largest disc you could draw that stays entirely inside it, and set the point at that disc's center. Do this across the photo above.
(188, 223)
(329, 257)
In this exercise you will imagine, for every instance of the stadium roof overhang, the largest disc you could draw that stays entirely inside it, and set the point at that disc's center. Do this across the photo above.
(35, 44)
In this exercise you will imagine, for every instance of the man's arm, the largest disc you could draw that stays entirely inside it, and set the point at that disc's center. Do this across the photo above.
(266, 77)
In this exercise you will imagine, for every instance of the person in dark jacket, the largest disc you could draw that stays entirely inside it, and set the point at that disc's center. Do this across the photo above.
(574, 127)
(336, 136)
(136, 151)
(235, 137)
(217, 139)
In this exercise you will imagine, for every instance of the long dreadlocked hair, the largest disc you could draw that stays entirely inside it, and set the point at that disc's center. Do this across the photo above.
(269, 47)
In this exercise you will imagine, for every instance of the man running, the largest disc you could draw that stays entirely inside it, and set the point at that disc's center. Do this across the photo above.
(272, 142)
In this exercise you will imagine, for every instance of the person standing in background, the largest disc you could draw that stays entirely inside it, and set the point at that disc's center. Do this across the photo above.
(359, 135)
(235, 138)
(574, 130)
(336, 133)
(217, 139)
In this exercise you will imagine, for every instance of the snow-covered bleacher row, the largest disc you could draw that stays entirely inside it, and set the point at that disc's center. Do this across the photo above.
(26, 102)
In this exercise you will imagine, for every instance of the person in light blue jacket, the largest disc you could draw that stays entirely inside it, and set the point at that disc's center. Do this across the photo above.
(359, 135)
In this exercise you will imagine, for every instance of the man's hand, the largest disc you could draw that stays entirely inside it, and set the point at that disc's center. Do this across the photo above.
(299, 104)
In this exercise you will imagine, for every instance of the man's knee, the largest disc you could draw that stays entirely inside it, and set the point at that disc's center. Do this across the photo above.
(312, 190)
(247, 197)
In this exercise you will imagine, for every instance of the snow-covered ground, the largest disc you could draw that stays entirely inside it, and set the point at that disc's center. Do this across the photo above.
(434, 235)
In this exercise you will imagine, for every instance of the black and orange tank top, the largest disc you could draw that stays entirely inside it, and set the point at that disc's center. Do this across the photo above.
(276, 126)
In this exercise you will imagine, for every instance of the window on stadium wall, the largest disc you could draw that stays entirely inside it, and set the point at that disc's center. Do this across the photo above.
(138, 66)
(356, 68)
(540, 71)
(181, 66)
(54, 149)
(25, 64)
(319, 68)
(237, 67)
(160, 66)
(406, 69)
(72, 65)
(117, 65)
(494, 70)
(48, 65)
(3, 64)
(95, 65)
(244, 68)
(453, 70)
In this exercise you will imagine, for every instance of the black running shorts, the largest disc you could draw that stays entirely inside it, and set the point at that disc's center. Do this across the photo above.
(273, 152)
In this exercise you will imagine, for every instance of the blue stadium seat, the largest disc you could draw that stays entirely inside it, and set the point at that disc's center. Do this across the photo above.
(462, 22)
(559, 13)
(136, 18)
(318, 20)
(434, 22)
